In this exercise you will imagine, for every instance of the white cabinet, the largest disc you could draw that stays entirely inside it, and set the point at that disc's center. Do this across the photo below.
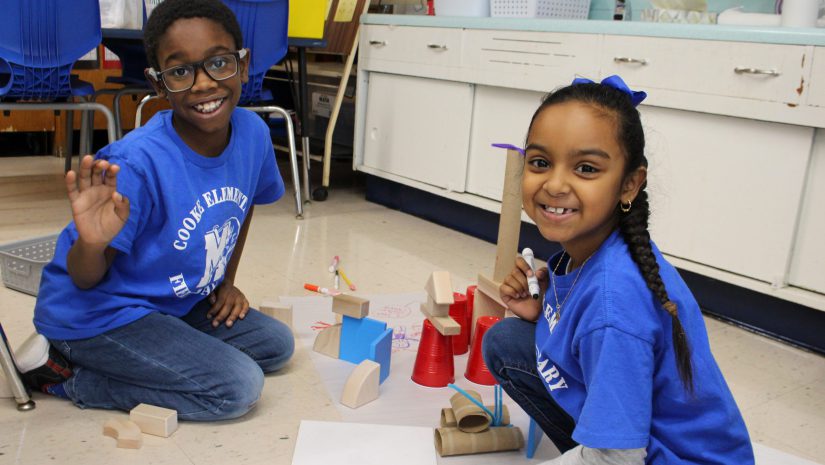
(418, 128)
(725, 191)
(500, 115)
(415, 51)
(808, 266)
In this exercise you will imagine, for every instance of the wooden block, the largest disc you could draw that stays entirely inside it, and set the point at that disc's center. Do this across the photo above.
(279, 311)
(328, 341)
(431, 308)
(445, 325)
(483, 305)
(440, 288)
(349, 305)
(509, 224)
(126, 433)
(362, 385)
(489, 288)
(154, 420)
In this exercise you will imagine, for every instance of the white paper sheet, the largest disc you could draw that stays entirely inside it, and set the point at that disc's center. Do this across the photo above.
(325, 443)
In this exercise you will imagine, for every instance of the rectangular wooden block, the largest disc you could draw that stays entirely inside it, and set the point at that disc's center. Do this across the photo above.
(440, 288)
(155, 420)
(431, 308)
(279, 311)
(445, 325)
(349, 305)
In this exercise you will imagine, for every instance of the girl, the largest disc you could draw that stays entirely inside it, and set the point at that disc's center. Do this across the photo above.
(614, 363)
(140, 296)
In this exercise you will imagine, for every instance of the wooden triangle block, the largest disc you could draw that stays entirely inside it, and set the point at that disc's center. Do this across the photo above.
(328, 341)
(349, 305)
(362, 385)
(440, 288)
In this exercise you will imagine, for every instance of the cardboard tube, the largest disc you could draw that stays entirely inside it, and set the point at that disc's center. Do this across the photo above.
(448, 417)
(452, 441)
(469, 417)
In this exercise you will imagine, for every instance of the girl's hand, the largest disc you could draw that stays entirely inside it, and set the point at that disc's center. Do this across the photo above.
(516, 295)
(98, 210)
(228, 303)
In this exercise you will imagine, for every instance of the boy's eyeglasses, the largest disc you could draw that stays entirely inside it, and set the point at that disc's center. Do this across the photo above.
(182, 77)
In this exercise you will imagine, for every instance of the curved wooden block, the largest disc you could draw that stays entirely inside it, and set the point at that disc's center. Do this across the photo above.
(362, 385)
(126, 432)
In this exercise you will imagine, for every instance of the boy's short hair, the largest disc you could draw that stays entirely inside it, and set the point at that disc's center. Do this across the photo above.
(169, 11)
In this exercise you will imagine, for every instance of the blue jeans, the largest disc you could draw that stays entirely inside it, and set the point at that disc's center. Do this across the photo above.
(185, 364)
(509, 349)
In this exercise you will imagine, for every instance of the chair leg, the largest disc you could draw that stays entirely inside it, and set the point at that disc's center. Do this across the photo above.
(69, 124)
(139, 110)
(21, 394)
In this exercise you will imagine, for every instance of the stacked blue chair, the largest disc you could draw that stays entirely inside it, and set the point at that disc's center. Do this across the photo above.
(264, 26)
(40, 40)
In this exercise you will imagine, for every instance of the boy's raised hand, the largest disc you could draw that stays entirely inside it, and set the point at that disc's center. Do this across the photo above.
(516, 295)
(98, 210)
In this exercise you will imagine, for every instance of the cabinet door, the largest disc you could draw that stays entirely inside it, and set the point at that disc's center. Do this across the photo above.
(816, 88)
(808, 265)
(765, 72)
(418, 128)
(725, 192)
(500, 115)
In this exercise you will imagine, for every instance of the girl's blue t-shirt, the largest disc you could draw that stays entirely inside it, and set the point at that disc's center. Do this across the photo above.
(608, 360)
(186, 212)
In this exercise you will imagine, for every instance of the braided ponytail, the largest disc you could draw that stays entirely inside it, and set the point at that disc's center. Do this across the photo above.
(633, 227)
(633, 223)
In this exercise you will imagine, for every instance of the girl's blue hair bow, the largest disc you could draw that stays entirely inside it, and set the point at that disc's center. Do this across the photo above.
(617, 83)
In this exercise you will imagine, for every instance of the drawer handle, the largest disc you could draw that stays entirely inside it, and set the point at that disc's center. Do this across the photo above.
(437, 46)
(635, 61)
(766, 72)
(378, 42)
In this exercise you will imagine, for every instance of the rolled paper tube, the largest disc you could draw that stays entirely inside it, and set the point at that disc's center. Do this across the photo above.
(448, 417)
(469, 417)
(453, 441)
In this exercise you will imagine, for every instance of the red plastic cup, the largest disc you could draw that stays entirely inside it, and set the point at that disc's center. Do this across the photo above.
(477, 371)
(458, 312)
(434, 360)
(471, 298)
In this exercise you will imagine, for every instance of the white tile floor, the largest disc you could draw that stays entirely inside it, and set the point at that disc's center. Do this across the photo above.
(780, 389)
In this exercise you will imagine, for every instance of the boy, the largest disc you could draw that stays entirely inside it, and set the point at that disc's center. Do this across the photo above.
(140, 296)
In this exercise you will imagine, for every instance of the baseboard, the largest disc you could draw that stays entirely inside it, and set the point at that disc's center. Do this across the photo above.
(793, 323)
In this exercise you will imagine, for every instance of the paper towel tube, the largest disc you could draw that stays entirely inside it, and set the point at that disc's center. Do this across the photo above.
(469, 416)
(453, 441)
(800, 13)
(448, 417)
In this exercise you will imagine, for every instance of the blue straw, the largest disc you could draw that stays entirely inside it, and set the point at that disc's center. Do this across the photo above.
(472, 399)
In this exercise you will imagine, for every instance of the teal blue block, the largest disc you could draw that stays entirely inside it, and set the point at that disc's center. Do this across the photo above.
(534, 436)
(357, 336)
(381, 351)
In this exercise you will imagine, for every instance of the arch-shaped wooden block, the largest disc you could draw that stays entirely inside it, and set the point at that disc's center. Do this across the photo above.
(362, 385)
(127, 433)
(328, 341)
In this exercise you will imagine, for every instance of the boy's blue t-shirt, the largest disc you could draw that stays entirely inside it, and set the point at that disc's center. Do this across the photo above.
(608, 360)
(186, 212)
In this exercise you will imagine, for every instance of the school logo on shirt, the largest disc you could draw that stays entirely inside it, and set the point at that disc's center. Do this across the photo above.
(551, 375)
(219, 241)
(552, 316)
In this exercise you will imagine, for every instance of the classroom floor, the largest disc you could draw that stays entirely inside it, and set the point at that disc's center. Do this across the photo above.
(780, 389)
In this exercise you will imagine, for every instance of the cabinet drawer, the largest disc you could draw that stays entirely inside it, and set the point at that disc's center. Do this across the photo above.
(766, 72)
(816, 87)
(425, 45)
(529, 60)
